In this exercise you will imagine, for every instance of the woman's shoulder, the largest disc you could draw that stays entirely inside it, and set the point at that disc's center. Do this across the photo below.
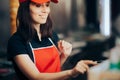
(15, 37)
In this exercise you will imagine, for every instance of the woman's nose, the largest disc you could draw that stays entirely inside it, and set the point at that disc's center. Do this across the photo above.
(44, 9)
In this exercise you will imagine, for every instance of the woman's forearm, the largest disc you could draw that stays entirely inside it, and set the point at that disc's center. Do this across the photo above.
(63, 75)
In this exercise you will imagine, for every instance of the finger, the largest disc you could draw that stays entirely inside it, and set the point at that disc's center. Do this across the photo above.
(59, 43)
(60, 46)
(90, 62)
(81, 66)
(63, 42)
(81, 69)
(69, 47)
(66, 45)
(85, 66)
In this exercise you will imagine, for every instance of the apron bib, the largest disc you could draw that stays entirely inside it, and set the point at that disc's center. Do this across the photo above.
(47, 59)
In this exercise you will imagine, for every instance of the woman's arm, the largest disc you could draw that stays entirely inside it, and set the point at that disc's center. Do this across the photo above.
(29, 69)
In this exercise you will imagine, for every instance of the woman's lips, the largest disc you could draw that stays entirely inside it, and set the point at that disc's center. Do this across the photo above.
(43, 16)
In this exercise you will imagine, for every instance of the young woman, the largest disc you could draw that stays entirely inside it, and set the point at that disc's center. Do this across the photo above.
(35, 49)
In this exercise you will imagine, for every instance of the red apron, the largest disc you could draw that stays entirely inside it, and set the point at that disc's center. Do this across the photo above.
(47, 59)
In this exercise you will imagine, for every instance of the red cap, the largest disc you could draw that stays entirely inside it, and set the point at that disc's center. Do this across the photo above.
(39, 1)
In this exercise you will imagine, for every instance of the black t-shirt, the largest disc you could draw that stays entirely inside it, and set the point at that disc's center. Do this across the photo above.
(17, 46)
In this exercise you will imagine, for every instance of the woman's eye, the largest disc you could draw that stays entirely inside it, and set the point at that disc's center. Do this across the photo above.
(47, 5)
(37, 5)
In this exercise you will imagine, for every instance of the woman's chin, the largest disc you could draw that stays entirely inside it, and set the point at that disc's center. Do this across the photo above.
(42, 22)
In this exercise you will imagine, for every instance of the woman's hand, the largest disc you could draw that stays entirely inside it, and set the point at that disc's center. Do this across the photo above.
(65, 47)
(81, 67)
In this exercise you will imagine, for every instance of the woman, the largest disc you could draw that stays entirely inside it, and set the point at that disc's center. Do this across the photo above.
(35, 50)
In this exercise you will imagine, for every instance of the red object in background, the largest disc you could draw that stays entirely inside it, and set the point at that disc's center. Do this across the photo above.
(21, 1)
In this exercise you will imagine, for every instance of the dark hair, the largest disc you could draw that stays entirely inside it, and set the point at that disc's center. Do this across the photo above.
(24, 23)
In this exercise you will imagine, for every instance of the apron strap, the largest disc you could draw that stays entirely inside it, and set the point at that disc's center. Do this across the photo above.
(30, 45)
(54, 45)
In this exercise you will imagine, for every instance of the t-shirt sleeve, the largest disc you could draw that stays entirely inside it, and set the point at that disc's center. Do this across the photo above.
(55, 38)
(15, 47)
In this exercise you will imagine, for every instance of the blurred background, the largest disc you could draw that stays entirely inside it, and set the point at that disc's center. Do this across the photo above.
(80, 22)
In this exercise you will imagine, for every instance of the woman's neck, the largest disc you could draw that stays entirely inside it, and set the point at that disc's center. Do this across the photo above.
(37, 27)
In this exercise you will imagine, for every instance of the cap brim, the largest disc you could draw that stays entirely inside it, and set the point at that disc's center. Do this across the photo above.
(44, 1)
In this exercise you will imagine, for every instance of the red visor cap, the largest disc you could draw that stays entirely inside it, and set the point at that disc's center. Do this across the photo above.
(39, 1)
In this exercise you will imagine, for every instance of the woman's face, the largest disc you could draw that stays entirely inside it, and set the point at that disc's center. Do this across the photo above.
(39, 12)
